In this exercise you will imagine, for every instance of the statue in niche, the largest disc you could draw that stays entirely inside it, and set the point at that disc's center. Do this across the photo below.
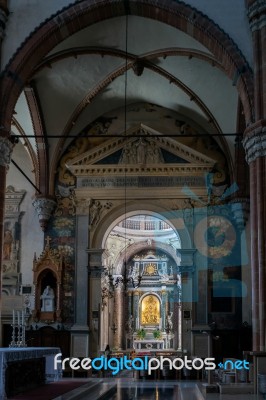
(164, 273)
(169, 322)
(8, 241)
(48, 302)
(130, 324)
(95, 208)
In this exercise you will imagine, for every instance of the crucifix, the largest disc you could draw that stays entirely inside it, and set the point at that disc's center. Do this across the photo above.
(48, 240)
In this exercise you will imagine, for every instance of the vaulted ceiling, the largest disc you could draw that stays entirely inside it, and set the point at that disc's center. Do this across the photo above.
(118, 62)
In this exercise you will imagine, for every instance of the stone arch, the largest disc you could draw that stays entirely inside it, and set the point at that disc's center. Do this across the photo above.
(98, 238)
(84, 13)
(137, 247)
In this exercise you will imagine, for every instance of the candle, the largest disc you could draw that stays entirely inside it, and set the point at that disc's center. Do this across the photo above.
(22, 318)
(18, 316)
(13, 317)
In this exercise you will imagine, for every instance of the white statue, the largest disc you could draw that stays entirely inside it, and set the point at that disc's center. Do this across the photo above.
(169, 321)
(130, 324)
(48, 301)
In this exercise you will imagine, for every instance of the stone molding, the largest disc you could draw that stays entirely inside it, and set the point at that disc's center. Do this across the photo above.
(255, 144)
(6, 148)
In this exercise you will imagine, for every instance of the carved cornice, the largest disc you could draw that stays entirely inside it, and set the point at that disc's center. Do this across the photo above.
(254, 142)
(6, 148)
(257, 15)
(135, 170)
(89, 163)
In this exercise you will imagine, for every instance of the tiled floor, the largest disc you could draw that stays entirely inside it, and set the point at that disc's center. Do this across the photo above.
(129, 389)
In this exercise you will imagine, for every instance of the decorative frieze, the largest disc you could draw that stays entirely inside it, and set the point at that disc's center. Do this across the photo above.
(255, 144)
(144, 181)
(6, 148)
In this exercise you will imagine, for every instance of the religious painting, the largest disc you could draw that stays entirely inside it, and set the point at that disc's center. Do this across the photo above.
(150, 310)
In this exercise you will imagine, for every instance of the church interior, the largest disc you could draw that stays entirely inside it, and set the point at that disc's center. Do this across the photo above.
(132, 182)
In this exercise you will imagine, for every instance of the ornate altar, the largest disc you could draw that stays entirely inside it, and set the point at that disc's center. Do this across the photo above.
(47, 277)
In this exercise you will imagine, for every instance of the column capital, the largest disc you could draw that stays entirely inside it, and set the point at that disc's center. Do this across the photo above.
(254, 141)
(6, 148)
(44, 206)
(257, 14)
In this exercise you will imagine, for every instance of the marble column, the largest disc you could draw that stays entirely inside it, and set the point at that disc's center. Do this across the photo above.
(119, 311)
(255, 147)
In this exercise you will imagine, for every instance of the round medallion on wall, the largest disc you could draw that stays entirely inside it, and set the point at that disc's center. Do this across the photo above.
(215, 236)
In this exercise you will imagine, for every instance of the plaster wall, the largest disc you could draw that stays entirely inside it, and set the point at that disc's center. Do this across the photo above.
(24, 17)
(232, 18)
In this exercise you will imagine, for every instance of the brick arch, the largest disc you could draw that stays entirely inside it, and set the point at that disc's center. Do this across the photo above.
(84, 13)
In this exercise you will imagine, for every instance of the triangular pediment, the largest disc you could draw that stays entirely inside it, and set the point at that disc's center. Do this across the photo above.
(140, 150)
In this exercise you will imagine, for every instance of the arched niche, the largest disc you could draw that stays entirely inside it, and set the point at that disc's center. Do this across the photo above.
(47, 278)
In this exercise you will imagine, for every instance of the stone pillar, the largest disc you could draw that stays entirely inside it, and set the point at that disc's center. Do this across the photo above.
(118, 311)
(255, 146)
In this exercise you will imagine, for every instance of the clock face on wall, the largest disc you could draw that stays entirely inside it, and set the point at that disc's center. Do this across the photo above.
(215, 236)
